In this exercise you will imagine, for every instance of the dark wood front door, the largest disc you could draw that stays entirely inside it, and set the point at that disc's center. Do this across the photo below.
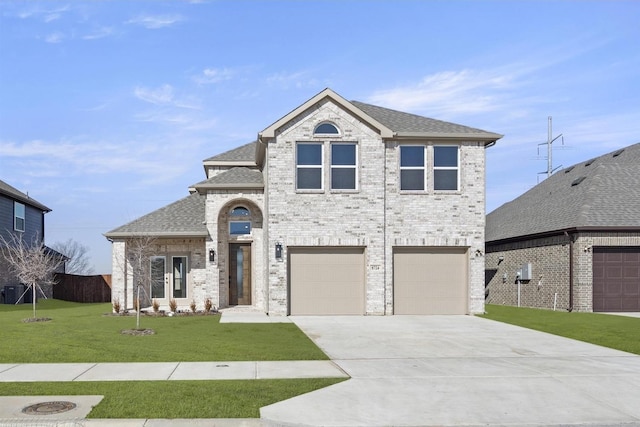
(240, 274)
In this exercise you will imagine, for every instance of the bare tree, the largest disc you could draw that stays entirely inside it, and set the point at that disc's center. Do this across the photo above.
(139, 251)
(31, 262)
(78, 261)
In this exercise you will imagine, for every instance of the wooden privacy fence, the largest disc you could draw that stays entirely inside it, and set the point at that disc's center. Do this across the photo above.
(71, 287)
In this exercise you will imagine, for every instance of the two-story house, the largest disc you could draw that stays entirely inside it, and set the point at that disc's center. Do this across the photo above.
(20, 217)
(337, 208)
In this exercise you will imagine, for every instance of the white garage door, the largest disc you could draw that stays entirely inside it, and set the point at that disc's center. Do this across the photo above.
(430, 281)
(326, 280)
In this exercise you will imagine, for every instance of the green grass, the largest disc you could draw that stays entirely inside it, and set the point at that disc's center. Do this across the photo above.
(176, 399)
(86, 333)
(617, 332)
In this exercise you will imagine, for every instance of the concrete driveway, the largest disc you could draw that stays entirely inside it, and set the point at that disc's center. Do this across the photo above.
(461, 370)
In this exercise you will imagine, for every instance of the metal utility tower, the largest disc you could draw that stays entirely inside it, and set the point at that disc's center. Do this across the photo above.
(550, 169)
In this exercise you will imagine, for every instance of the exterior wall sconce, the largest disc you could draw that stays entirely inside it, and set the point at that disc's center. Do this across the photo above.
(212, 255)
(278, 250)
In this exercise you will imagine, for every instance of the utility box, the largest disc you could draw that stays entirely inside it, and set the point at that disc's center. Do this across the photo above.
(526, 273)
(12, 294)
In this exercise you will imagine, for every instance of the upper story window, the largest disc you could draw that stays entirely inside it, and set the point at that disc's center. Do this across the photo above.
(412, 167)
(18, 216)
(343, 166)
(240, 211)
(326, 129)
(445, 168)
(309, 166)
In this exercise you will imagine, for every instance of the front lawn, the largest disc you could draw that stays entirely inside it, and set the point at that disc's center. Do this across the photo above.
(617, 332)
(176, 399)
(88, 333)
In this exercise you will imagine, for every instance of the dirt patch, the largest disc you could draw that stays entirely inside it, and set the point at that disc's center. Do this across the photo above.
(36, 319)
(138, 332)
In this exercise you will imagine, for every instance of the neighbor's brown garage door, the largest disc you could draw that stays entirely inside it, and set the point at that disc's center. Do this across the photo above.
(430, 281)
(616, 279)
(326, 280)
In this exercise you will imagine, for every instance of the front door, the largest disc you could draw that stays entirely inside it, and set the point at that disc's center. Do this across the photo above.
(240, 274)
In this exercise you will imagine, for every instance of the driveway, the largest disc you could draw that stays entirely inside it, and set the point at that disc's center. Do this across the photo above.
(461, 370)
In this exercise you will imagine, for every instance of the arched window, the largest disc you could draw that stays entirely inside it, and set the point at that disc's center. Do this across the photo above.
(240, 211)
(326, 129)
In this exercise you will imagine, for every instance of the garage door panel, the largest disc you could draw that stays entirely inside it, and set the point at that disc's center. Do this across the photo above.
(616, 279)
(326, 281)
(430, 281)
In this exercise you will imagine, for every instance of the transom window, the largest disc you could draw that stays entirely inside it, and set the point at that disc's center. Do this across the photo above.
(343, 166)
(237, 228)
(309, 166)
(240, 211)
(18, 216)
(445, 168)
(326, 129)
(412, 167)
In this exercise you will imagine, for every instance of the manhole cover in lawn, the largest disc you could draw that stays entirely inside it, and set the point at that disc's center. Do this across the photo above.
(48, 408)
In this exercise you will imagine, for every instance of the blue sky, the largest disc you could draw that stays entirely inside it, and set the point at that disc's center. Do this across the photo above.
(107, 108)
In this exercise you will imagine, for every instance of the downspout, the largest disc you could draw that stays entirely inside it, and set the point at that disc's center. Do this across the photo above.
(570, 237)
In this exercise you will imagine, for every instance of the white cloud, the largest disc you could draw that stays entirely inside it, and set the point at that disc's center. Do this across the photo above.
(56, 37)
(162, 95)
(99, 33)
(47, 15)
(214, 75)
(298, 80)
(155, 22)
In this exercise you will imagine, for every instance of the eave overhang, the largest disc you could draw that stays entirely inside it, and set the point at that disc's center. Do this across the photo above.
(564, 231)
(161, 234)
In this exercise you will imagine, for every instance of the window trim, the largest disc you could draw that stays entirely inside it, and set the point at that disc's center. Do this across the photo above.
(355, 166)
(445, 168)
(16, 217)
(423, 168)
(320, 166)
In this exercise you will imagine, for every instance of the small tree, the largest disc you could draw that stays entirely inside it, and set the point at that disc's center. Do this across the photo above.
(78, 261)
(31, 262)
(139, 252)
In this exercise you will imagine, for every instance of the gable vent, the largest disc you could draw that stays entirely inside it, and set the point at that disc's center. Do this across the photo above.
(569, 169)
(590, 162)
(578, 181)
(617, 153)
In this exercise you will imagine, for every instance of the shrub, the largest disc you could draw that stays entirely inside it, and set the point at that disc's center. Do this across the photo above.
(156, 306)
(173, 305)
(116, 306)
(207, 305)
(192, 306)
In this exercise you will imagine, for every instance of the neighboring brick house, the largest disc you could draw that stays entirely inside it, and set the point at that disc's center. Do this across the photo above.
(337, 208)
(575, 238)
(23, 217)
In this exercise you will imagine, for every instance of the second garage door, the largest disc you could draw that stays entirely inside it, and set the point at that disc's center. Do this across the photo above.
(326, 280)
(430, 281)
(616, 279)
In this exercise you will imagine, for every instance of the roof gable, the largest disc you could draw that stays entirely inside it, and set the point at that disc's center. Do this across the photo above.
(18, 195)
(599, 193)
(234, 178)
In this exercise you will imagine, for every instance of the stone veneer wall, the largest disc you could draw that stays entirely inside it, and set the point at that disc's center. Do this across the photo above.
(368, 217)
(194, 248)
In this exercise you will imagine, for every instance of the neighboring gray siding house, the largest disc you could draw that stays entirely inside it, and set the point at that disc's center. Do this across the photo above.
(578, 231)
(337, 208)
(20, 216)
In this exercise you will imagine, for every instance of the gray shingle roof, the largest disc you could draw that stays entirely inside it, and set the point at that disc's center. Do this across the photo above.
(182, 218)
(244, 153)
(18, 195)
(401, 122)
(599, 193)
(238, 177)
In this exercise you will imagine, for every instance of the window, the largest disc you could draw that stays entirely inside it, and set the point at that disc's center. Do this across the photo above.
(157, 277)
(309, 166)
(240, 211)
(179, 277)
(18, 215)
(343, 166)
(326, 129)
(412, 176)
(445, 168)
(237, 228)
